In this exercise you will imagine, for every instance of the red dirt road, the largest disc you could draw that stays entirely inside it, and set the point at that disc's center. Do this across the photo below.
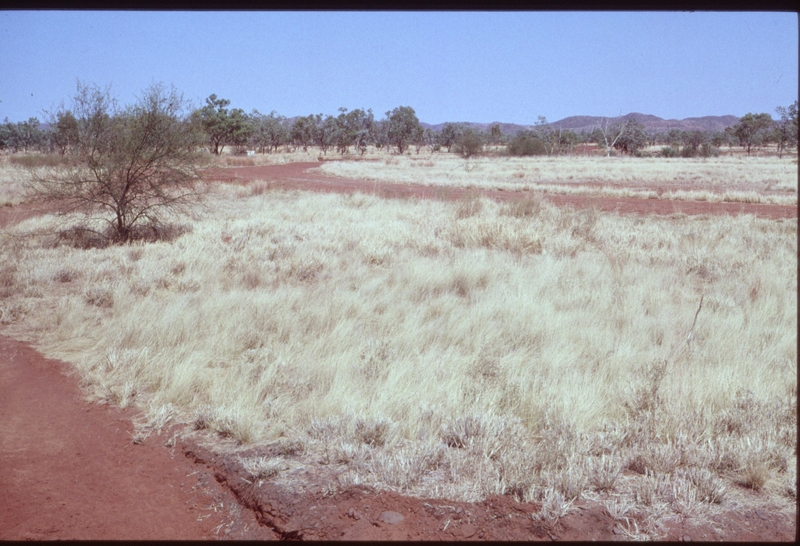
(296, 176)
(68, 469)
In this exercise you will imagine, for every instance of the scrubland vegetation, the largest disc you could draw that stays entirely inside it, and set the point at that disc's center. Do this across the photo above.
(445, 349)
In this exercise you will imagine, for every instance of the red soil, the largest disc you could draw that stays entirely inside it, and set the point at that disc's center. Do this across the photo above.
(69, 469)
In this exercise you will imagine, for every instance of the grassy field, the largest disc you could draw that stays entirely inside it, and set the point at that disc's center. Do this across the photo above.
(732, 179)
(451, 350)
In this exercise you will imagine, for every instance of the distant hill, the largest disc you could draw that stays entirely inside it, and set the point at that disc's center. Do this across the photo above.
(581, 124)
(651, 123)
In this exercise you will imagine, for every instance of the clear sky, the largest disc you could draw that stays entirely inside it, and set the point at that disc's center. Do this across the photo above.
(448, 66)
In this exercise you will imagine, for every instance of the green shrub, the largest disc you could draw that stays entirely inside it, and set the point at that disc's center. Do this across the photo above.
(469, 144)
(526, 144)
(688, 151)
(668, 151)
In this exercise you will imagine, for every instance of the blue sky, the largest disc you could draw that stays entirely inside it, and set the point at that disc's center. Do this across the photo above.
(462, 66)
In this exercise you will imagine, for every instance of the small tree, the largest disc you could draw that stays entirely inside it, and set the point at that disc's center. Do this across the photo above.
(450, 134)
(785, 132)
(469, 144)
(128, 164)
(66, 131)
(633, 138)
(608, 136)
(222, 127)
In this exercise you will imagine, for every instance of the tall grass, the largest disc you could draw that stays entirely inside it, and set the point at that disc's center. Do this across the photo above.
(446, 349)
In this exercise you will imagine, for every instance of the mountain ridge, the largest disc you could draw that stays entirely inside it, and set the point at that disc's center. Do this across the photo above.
(581, 124)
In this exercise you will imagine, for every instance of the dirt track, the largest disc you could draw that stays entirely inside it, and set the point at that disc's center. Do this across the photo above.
(69, 470)
(296, 176)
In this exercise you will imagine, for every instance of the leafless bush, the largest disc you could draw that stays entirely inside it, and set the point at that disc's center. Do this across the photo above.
(127, 165)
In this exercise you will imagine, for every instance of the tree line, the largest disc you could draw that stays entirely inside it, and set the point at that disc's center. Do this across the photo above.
(220, 127)
(129, 166)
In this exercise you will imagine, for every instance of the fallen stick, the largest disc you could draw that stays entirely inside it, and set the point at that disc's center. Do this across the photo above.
(691, 332)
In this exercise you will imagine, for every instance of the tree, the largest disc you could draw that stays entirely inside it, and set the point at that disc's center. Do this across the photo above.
(352, 129)
(324, 131)
(129, 165)
(752, 130)
(495, 135)
(431, 137)
(221, 126)
(607, 136)
(6, 132)
(785, 132)
(268, 132)
(633, 138)
(302, 132)
(403, 126)
(66, 131)
(365, 133)
(450, 134)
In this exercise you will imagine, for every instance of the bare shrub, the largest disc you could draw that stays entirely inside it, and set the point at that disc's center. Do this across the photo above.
(645, 396)
(65, 275)
(127, 166)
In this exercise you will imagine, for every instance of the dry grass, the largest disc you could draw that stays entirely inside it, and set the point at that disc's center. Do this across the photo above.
(12, 191)
(731, 179)
(445, 349)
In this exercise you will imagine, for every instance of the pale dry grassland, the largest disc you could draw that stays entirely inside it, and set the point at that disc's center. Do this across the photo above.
(732, 179)
(445, 349)
(12, 192)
